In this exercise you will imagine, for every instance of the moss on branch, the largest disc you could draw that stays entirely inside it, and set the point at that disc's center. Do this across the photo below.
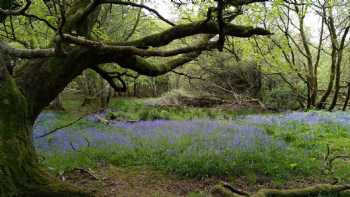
(144, 67)
(194, 28)
(313, 191)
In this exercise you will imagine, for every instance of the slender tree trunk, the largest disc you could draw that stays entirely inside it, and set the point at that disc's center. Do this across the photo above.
(336, 87)
(135, 88)
(337, 55)
(313, 96)
(347, 98)
(308, 95)
(322, 103)
(338, 69)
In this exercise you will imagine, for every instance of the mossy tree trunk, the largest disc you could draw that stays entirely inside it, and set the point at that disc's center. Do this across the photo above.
(20, 171)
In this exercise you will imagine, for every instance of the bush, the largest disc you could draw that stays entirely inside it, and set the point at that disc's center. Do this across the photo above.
(281, 98)
(154, 114)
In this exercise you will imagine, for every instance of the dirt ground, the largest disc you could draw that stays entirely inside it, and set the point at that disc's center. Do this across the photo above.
(111, 181)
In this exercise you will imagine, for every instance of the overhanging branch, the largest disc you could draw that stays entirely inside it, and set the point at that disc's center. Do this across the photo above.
(194, 28)
(131, 50)
(19, 11)
(110, 79)
(144, 67)
(26, 53)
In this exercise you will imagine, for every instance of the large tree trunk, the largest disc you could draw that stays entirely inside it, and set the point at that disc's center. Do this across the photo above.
(20, 171)
(22, 98)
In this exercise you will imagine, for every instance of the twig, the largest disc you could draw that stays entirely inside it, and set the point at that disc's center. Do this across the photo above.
(187, 75)
(234, 190)
(329, 160)
(72, 146)
(88, 171)
(61, 127)
(81, 170)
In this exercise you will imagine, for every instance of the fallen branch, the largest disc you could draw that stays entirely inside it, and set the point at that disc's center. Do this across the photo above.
(234, 190)
(81, 170)
(59, 128)
(318, 190)
(330, 159)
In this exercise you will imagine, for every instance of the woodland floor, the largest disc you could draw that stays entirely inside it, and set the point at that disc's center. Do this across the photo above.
(111, 181)
(159, 151)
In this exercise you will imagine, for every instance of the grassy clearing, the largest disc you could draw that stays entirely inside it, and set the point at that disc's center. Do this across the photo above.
(317, 140)
(294, 151)
(183, 159)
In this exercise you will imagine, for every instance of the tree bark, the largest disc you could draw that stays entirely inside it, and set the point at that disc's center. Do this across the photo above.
(337, 83)
(322, 103)
(347, 98)
(338, 68)
(337, 55)
(43, 79)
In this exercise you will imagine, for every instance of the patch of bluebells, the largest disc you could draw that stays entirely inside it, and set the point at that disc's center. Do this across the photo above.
(46, 116)
(217, 136)
(311, 118)
(264, 143)
(95, 117)
(151, 129)
(214, 135)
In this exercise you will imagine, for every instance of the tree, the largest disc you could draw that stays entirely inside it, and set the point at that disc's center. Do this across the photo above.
(305, 53)
(331, 11)
(46, 72)
(308, 60)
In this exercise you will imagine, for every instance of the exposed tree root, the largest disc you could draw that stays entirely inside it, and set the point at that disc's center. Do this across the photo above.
(57, 191)
(36, 183)
(222, 190)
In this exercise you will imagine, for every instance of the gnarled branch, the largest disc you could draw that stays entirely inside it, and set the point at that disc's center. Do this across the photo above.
(19, 11)
(26, 53)
(143, 67)
(131, 50)
(194, 28)
(110, 79)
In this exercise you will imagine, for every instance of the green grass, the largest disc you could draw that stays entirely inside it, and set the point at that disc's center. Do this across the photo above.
(304, 157)
(135, 109)
(174, 157)
(334, 137)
